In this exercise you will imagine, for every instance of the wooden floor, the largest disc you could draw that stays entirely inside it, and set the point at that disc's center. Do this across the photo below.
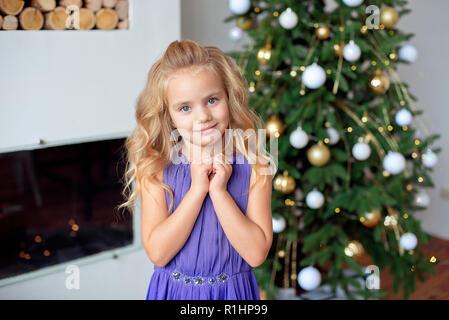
(435, 286)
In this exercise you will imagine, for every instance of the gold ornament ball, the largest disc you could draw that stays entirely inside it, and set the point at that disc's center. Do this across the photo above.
(284, 183)
(389, 17)
(354, 249)
(338, 50)
(245, 22)
(393, 55)
(318, 154)
(322, 32)
(274, 126)
(372, 218)
(264, 54)
(277, 182)
(379, 84)
(364, 30)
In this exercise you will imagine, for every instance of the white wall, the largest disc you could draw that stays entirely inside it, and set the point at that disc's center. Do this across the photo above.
(428, 81)
(75, 86)
(124, 278)
(202, 21)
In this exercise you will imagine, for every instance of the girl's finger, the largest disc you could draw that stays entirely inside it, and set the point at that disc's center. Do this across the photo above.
(219, 158)
(220, 167)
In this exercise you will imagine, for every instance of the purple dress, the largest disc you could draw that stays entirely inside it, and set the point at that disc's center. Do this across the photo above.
(207, 267)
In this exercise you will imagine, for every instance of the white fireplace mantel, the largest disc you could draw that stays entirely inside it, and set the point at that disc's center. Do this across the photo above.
(74, 86)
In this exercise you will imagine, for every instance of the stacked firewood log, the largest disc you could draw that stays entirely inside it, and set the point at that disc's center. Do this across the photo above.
(63, 14)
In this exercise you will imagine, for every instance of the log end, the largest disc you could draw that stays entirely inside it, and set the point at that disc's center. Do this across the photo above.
(31, 19)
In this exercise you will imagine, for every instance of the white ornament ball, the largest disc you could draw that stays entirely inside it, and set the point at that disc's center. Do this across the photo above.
(313, 76)
(429, 159)
(361, 151)
(299, 138)
(394, 162)
(403, 117)
(351, 51)
(422, 199)
(309, 278)
(239, 6)
(408, 53)
(314, 199)
(288, 19)
(278, 224)
(334, 137)
(352, 3)
(235, 33)
(408, 241)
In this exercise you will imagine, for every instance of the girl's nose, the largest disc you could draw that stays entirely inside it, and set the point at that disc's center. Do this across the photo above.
(204, 115)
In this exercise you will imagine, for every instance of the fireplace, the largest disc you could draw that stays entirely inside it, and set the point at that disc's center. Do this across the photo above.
(58, 204)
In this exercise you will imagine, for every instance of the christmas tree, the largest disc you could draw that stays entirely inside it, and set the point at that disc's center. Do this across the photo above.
(353, 168)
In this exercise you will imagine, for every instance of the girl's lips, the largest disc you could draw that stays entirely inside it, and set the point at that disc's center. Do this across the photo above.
(206, 129)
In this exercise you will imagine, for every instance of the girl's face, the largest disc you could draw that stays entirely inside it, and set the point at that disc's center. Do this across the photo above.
(197, 100)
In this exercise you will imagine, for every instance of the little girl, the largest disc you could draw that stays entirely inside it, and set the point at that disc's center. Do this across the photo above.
(206, 211)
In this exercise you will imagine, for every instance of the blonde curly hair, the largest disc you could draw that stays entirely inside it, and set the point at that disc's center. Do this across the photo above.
(149, 146)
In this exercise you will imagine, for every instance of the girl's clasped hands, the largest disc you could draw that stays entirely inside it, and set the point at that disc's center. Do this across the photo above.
(210, 176)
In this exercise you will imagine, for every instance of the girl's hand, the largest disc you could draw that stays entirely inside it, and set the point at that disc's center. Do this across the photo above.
(199, 173)
(221, 172)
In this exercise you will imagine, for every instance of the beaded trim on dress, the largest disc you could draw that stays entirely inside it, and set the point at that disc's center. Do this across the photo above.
(198, 281)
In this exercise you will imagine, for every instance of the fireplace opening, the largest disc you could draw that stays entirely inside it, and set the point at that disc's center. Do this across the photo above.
(59, 204)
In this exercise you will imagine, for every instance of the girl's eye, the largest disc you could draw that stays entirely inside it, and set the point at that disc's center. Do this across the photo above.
(181, 108)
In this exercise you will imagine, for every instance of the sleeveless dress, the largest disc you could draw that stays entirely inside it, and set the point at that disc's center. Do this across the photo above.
(207, 267)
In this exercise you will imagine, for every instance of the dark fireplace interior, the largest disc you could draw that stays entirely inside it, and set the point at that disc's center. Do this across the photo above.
(59, 204)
